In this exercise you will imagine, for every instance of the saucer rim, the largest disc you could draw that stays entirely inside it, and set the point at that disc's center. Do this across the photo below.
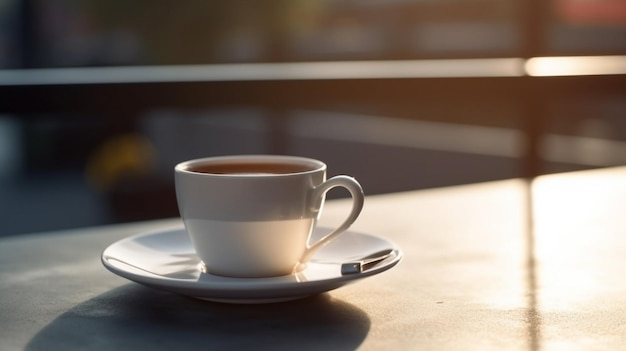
(242, 290)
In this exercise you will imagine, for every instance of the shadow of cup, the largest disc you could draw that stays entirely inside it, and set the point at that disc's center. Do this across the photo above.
(135, 317)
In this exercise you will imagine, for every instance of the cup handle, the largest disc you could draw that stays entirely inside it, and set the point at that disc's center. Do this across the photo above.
(358, 198)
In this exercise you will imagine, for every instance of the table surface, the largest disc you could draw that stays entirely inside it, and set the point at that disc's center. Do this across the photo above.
(515, 265)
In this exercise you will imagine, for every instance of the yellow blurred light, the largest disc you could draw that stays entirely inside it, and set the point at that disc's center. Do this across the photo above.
(128, 155)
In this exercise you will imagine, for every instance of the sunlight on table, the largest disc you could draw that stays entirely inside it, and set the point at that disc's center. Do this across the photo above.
(576, 242)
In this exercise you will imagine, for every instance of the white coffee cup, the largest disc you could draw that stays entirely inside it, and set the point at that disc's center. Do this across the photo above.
(252, 215)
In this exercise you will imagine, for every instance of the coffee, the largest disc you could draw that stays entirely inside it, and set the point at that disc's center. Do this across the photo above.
(251, 168)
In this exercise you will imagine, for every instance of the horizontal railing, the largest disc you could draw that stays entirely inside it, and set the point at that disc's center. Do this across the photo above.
(124, 93)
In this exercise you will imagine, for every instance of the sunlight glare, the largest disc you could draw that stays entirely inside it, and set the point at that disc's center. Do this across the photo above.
(575, 238)
(575, 66)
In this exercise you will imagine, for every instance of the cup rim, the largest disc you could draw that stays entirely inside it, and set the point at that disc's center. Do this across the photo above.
(315, 165)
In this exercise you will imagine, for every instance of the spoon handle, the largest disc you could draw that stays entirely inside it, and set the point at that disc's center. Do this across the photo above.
(365, 263)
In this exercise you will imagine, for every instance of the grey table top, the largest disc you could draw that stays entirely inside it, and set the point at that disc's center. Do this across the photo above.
(480, 272)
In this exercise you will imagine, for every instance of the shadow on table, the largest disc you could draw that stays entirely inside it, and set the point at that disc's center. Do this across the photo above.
(135, 317)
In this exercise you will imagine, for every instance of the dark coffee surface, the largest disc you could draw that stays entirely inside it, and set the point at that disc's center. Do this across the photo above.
(251, 168)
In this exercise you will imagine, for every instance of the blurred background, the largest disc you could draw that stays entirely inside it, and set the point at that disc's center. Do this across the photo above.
(107, 157)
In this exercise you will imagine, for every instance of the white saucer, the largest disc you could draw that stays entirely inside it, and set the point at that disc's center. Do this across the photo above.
(166, 260)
